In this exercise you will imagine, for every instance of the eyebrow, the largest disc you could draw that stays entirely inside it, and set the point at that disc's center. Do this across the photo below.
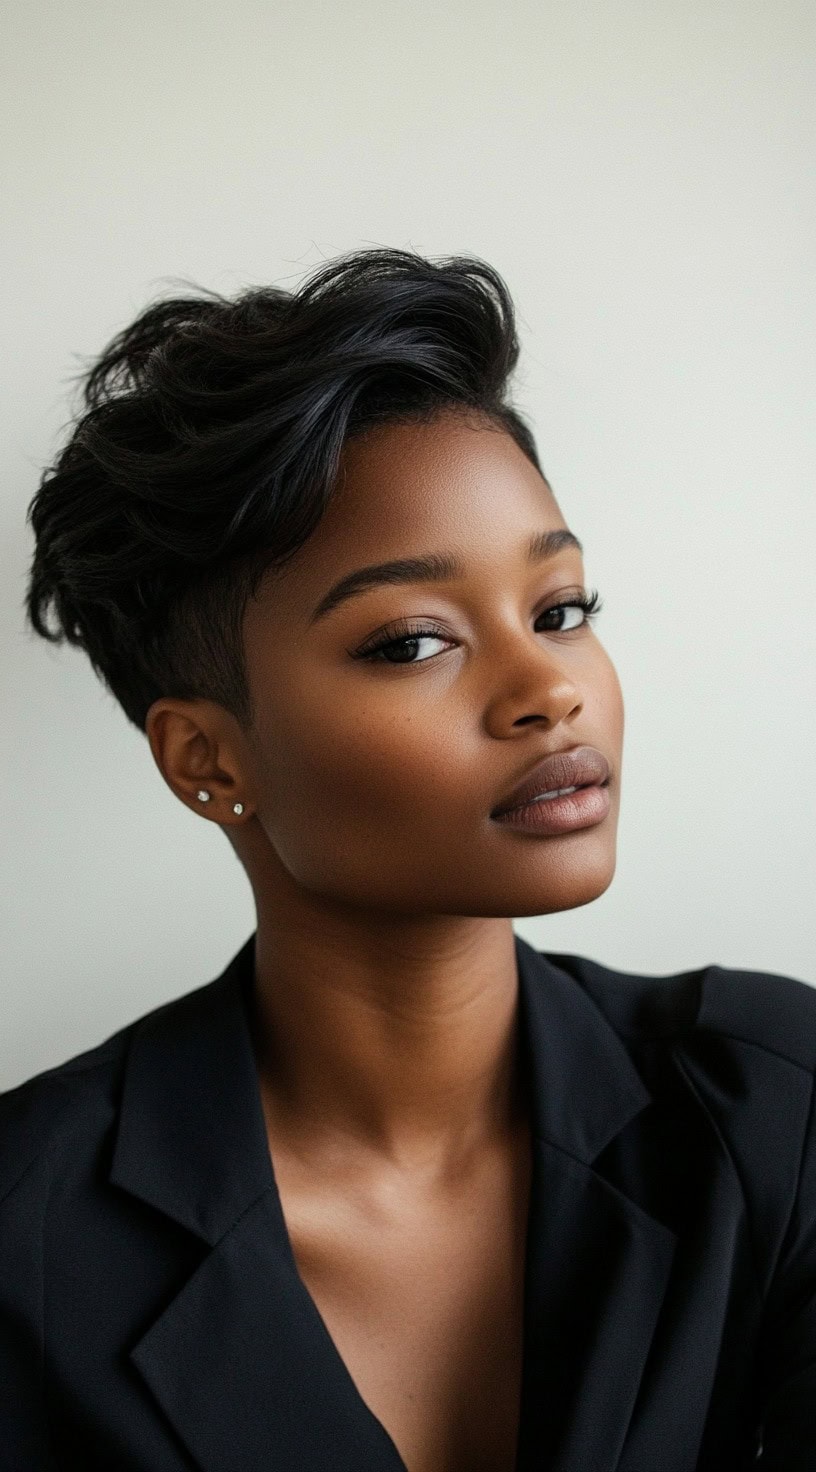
(436, 567)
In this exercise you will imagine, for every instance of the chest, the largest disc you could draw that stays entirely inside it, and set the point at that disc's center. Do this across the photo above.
(424, 1305)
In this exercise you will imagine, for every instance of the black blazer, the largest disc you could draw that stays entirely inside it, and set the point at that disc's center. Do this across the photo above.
(152, 1318)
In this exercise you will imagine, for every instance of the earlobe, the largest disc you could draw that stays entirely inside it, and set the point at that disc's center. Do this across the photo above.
(204, 796)
(188, 741)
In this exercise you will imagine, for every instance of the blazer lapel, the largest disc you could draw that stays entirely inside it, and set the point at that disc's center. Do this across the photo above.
(598, 1264)
(624, 1315)
(240, 1361)
(242, 1364)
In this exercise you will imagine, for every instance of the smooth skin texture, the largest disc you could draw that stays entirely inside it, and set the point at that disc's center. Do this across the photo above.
(385, 893)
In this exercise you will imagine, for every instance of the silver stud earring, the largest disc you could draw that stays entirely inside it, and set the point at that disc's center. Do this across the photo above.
(238, 807)
(203, 796)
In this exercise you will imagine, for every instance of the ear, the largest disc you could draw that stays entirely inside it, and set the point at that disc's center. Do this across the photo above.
(195, 747)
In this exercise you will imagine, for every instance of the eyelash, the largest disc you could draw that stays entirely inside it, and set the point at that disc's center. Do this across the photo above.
(591, 604)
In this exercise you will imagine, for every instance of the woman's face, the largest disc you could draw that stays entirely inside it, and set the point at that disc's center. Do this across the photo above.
(373, 779)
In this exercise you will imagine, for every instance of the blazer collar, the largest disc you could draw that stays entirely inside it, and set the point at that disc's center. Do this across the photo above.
(240, 1359)
(191, 1136)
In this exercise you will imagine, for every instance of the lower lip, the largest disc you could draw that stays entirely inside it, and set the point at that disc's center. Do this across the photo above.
(581, 809)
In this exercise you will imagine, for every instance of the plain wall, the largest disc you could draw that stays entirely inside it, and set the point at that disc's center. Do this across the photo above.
(642, 176)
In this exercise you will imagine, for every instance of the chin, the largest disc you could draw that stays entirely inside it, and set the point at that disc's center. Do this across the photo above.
(569, 886)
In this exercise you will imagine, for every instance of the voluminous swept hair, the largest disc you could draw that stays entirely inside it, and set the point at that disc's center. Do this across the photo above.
(209, 445)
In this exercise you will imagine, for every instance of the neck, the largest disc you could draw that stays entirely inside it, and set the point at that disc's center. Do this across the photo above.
(397, 1043)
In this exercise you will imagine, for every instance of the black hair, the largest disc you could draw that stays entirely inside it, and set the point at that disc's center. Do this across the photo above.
(209, 445)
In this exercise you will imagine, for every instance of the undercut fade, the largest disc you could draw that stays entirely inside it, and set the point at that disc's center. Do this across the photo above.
(208, 446)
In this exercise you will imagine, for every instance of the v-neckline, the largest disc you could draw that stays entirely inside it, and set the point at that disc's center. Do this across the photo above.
(333, 1356)
(335, 1359)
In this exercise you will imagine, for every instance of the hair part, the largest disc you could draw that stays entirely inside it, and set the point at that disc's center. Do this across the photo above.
(209, 445)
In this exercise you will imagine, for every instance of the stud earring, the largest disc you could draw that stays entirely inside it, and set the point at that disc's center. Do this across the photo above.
(238, 807)
(203, 796)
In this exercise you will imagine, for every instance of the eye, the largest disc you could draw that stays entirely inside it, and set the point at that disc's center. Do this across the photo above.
(402, 639)
(589, 605)
(402, 645)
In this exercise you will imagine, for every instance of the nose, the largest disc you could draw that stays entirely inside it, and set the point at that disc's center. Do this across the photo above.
(535, 683)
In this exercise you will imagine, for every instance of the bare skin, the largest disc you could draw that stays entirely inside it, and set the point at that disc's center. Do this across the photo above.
(385, 894)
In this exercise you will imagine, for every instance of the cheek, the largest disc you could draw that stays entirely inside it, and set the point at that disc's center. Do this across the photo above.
(613, 706)
(614, 698)
(601, 715)
(377, 760)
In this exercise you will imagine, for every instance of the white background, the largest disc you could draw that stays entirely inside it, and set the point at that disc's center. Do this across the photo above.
(641, 174)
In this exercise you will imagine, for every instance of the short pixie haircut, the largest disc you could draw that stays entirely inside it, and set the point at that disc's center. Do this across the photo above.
(209, 445)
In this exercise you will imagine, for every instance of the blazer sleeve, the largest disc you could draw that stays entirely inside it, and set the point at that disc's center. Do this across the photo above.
(788, 1343)
(24, 1438)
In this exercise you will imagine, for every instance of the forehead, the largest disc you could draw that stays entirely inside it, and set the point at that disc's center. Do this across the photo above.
(452, 484)
(429, 479)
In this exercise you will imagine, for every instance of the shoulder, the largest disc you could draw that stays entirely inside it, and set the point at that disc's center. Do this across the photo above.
(774, 1014)
(735, 1051)
(52, 1107)
(60, 1114)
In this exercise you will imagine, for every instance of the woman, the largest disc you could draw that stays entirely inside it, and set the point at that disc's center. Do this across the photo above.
(396, 1190)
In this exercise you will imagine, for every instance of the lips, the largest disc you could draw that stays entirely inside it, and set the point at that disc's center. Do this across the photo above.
(582, 766)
